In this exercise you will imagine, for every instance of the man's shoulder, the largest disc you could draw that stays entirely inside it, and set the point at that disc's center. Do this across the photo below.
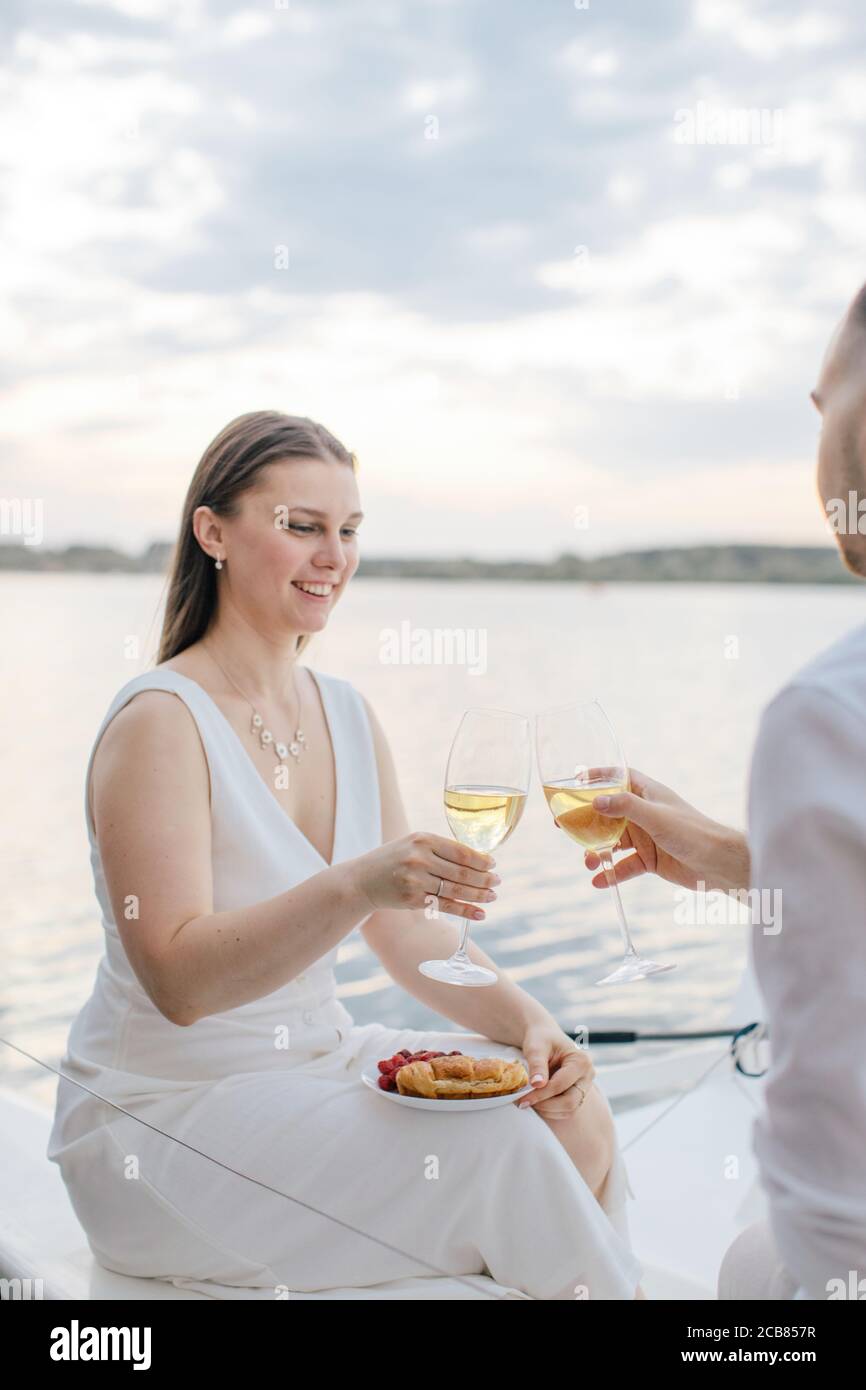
(843, 663)
(839, 671)
(811, 743)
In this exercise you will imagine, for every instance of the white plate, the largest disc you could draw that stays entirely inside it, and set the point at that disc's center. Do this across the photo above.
(371, 1079)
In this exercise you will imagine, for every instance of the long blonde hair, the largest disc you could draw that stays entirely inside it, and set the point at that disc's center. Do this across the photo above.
(228, 467)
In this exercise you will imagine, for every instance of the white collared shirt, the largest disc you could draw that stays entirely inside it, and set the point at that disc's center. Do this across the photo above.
(807, 833)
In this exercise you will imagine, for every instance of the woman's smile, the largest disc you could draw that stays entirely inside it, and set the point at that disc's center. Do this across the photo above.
(315, 592)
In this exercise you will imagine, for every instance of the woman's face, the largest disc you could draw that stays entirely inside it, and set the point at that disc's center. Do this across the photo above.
(292, 547)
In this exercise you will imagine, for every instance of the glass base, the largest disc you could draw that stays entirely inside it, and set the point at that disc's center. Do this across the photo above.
(458, 972)
(634, 967)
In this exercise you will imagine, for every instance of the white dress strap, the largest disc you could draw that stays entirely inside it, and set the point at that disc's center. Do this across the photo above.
(193, 695)
(359, 809)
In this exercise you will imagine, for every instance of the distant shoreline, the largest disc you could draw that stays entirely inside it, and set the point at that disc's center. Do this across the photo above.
(717, 564)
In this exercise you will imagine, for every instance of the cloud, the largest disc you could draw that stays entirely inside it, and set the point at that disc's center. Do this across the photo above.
(769, 34)
(538, 287)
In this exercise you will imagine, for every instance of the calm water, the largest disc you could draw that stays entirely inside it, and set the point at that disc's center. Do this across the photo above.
(683, 672)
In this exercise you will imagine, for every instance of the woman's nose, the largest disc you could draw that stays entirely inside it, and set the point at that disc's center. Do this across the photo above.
(331, 553)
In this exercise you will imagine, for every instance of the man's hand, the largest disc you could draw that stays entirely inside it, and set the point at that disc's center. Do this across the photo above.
(670, 838)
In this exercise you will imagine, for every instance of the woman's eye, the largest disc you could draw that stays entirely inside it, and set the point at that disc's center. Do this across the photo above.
(303, 529)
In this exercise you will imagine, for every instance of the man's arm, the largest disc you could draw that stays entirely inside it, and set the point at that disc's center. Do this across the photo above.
(807, 834)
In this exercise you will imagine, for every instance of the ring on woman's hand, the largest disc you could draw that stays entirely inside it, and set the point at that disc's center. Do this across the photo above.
(582, 1093)
(439, 889)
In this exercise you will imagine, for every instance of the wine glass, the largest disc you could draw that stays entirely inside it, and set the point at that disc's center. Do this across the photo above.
(564, 736)
(486, 782)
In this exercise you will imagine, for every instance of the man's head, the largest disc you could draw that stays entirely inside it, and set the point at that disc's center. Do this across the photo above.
(840, 396)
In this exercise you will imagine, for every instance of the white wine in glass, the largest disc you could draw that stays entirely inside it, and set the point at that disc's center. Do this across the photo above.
(483, 817)
(486, 782)
(579, 758)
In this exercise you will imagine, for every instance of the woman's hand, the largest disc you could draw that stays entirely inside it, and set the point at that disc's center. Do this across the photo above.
(407, 873)
(560, 1071)
(672, 839)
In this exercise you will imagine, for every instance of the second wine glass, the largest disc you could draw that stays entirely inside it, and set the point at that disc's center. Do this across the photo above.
(579, 758)
(486, 782)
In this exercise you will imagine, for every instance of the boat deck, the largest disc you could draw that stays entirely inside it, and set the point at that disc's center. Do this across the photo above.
(685, 1131)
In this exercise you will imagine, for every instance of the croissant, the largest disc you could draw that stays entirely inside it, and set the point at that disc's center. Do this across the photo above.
(461, 1078)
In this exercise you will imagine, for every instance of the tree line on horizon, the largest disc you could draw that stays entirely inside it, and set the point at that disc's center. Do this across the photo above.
(751, 564)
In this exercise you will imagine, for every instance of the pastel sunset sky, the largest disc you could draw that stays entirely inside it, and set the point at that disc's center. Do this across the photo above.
(473, 237)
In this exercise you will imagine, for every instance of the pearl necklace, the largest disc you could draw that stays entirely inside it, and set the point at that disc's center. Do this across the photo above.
(257, 724)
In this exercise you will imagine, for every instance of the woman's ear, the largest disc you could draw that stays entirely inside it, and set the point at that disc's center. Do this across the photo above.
(208, 531)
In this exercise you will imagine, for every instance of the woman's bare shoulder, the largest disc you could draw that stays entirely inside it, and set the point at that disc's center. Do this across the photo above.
(153, 710)
(153, 745)
(154, 728)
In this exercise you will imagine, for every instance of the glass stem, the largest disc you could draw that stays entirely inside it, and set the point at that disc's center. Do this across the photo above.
(464, 937)
(607, 864)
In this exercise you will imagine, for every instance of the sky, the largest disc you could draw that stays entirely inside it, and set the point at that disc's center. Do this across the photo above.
(561, 274)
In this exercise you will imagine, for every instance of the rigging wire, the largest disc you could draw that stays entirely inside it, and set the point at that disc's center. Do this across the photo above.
(677, 1101)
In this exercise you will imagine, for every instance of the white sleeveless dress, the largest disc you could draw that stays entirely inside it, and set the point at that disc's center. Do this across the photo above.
(366, 1191)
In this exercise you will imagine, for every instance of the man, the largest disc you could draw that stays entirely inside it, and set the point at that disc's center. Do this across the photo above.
(807, 839)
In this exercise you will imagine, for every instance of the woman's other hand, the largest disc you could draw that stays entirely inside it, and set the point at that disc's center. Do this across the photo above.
(560, 1071)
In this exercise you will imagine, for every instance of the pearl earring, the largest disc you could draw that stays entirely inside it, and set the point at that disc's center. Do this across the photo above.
(219, 563)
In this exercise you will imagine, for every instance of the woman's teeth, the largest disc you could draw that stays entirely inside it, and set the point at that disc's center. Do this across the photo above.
(320, 590)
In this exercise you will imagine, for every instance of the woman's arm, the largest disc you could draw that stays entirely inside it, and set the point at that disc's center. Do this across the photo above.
(401, 941)
(151, 812)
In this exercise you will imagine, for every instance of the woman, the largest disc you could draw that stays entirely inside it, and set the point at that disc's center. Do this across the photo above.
(244, 817)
